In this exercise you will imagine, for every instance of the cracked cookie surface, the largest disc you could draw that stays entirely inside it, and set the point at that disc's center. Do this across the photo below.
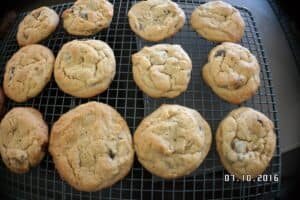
(232, 72)
(27, 72)
(91, 146)
(218, 21)
(162, 70)
(87, 17)
(23, 138)
(172, 141)
(84, 68)
(155, 20)
(37, 25)
(246, 142)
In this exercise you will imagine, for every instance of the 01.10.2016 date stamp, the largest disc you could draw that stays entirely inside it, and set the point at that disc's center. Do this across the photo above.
(249, 178)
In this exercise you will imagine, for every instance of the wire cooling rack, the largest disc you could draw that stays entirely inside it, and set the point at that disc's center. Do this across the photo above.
(207, 182)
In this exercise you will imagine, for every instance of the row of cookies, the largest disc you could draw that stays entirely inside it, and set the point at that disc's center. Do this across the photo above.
(86, 68)
(81, 68)
(83, 18)
(92, 147)
(156, 20)
(164, 70)
(153, 20)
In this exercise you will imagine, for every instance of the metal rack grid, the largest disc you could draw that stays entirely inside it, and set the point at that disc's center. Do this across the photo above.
(43, 182)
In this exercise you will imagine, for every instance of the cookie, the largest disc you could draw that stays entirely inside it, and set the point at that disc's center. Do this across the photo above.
(232, 72)
(162, 70)
(218, 21)
(37, 25)
(27, 72)
(84, 68)
(91, 146)
(156, 20)
(87, 17)
(23, 138)
(245, 142)
(172, 141)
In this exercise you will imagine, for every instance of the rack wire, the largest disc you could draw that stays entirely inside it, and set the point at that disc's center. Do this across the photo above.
(207, 182)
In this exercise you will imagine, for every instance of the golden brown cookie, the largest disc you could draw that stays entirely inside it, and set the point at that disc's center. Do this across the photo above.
(84, 68)
(87, 17)
(156, 20)
(27, 72)
(218, 21)
(37, 25)
(246, 142)
(23, 138)
(232, 72)
(91, 146)
(162, 70)
(172, 141)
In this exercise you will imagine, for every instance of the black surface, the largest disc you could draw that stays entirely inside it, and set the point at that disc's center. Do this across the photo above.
(208, 181)
(290, 174)
(288, 17)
